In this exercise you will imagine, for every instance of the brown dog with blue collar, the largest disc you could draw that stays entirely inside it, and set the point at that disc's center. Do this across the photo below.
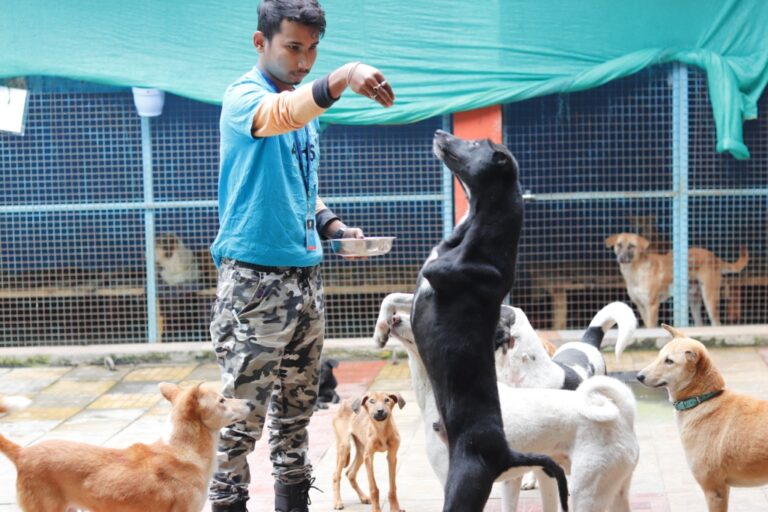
(724, 434)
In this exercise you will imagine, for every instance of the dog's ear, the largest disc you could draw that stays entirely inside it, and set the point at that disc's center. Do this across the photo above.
(611, 240)
(674, 332)
(501, 339)
(169, 391)
(358, 402)
(333, 363)
(398, 398)
(706, 371)
(643, 243)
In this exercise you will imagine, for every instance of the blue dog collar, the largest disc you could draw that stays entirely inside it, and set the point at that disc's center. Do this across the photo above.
(690, 403)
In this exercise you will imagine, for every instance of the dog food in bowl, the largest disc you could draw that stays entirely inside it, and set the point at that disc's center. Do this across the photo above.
(370, 246)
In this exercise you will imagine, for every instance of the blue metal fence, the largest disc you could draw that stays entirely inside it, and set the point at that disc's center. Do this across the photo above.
(92, 193)
(91, 186)
(634, 155)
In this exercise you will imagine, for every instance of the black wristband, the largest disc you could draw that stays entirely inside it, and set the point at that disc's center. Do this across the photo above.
(322, 219)
(339, 233)
(321, 93)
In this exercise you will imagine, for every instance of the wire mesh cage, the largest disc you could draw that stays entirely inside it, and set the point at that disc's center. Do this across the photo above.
(385, 180)
(80, 217)
(71, 268)
(78, 212)
(185, 167)
(729, 205)
(602, 162)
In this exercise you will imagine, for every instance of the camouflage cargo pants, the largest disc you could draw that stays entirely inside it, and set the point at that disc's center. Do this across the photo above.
(267, 331)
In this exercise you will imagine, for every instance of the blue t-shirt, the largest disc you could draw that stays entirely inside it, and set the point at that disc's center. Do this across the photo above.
(267, 186)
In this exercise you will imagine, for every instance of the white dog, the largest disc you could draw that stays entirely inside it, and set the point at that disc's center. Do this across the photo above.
(13, 403)
(522, 360)
(180, 265)
(526, 363)
(589, 432)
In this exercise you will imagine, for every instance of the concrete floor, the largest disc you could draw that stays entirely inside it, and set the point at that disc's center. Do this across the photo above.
(92, 404)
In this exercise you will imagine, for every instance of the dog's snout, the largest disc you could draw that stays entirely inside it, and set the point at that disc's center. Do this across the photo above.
(442, 137)
(396, 320)
(624, 257)
(641, 377)
(380, 414)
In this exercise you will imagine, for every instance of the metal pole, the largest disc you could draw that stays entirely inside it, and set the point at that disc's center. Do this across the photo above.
(149, 230)
(680, 123)
(447, 188)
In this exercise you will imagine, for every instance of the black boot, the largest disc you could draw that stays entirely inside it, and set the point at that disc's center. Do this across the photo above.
(238, 506)
(293, 497)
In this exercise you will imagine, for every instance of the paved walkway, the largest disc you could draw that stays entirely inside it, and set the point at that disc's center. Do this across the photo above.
(117, 408)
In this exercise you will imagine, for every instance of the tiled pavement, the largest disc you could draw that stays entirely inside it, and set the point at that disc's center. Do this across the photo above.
(92, 404)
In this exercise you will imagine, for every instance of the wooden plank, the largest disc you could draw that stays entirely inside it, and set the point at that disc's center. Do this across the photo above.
(75, 291)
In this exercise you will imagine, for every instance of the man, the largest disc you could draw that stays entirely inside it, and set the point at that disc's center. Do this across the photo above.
(268, 320)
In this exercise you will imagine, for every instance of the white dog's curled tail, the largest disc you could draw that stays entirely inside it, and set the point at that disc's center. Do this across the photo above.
(605, 399)
(617, 313)
(13, 403)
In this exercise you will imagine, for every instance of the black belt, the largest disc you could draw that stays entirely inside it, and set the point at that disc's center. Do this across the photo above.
(272, 270)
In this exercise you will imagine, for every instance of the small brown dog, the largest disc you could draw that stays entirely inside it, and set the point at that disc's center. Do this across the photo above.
(724, 434)
(167, 476)
(369, 423)
(648, 276)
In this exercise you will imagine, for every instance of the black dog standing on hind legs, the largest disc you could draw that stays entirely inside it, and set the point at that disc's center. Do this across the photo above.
(455, 312)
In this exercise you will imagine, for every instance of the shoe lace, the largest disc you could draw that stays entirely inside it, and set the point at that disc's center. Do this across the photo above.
(304, 489)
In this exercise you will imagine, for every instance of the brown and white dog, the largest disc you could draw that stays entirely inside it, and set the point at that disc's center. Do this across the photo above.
(166, 476)
(180, 265)
(724, 434)
(648, 276)
(369, 423)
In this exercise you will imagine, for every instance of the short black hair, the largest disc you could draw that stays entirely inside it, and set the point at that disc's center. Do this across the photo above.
(306, 12)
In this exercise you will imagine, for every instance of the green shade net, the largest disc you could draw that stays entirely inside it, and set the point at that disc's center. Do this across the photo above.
(440, 56)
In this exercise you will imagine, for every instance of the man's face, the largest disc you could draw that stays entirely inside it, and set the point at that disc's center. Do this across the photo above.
(289, 56)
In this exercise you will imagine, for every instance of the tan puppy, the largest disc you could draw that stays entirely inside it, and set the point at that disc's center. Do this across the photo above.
(167, 476)
(373, 429)
(648, 276)
(724, 434)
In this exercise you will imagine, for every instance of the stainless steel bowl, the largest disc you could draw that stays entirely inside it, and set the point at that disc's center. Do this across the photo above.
(370, 246)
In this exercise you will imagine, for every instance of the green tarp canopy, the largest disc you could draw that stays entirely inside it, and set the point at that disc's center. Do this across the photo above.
(441, 56)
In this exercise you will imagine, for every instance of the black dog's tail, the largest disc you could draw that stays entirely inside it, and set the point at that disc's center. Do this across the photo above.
(615, 313)
(550, 468)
